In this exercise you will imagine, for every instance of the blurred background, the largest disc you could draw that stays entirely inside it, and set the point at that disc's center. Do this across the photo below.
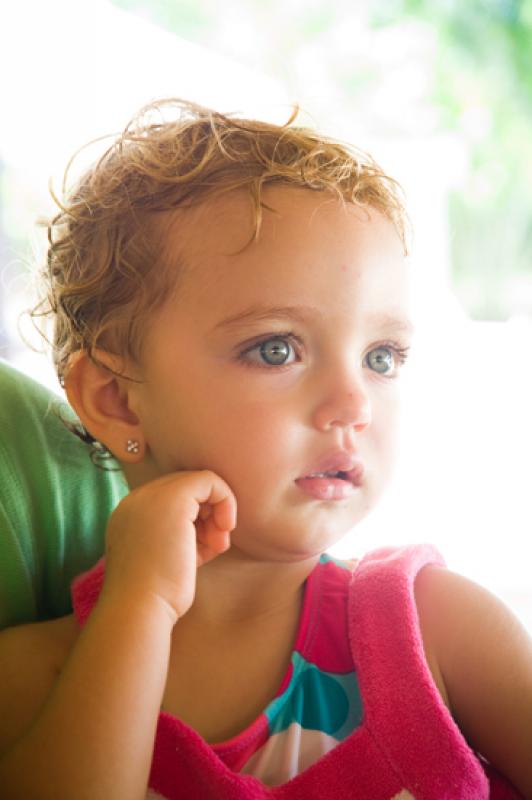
(440, 93)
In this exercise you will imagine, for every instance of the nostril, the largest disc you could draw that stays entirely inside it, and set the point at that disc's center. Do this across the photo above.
(347, 409)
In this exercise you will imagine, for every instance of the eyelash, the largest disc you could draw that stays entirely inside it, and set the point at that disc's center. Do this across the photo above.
(400, 353)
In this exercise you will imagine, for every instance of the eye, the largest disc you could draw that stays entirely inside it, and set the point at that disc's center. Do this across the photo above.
(380, 360)
(277, 351)
(386, 360)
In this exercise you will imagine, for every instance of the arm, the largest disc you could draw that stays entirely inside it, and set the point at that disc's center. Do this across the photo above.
(484, 656)
(93, 736)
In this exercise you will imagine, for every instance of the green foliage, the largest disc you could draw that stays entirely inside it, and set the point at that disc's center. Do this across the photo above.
(188, 18)
(484, 67)
(481, 72)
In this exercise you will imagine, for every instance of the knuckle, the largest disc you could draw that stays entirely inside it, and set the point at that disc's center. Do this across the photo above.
(208, 473)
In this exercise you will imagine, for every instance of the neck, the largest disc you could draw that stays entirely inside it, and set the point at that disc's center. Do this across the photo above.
(236, 589)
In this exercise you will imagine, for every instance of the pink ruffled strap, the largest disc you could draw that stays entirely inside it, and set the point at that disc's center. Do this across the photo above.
(404, 709)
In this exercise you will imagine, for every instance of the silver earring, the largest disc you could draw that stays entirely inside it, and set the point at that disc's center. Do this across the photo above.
(132, 446)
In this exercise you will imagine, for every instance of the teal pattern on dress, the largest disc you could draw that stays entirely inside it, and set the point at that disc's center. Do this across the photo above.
(325, 558)
(322, 701)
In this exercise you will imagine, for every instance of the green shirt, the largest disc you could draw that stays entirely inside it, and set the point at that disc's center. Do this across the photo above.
(54, 502)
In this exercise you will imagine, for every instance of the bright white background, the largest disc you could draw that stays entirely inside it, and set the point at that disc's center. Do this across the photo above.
(80, 69)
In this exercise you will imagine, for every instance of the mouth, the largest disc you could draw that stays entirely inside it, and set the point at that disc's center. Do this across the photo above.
(343, 475)
(331, 483)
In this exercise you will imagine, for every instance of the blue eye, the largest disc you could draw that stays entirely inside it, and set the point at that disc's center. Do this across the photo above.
(381, 360)
(277, 351)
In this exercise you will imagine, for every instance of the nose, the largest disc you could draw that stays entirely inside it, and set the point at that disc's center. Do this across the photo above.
(345, 405)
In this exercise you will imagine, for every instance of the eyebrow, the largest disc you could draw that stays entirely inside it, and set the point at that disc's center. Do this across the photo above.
(395, 322)
(258, 313)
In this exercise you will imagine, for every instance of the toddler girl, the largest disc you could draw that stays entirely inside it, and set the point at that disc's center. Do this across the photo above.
(230, 301)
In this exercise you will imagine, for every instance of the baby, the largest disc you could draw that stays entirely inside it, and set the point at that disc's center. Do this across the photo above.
(230, 301)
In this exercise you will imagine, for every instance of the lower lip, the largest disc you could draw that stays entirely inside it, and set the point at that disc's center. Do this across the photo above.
(326, 488)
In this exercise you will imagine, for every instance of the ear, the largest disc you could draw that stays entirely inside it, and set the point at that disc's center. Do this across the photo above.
(101, 399)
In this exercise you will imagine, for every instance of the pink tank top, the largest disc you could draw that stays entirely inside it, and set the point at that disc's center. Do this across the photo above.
(405, 745)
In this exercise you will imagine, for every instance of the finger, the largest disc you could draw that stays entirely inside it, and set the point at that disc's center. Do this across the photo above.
(224, 514)
(207, 490)
(208, 530)
(213, 545)
(209, 534)
(212, 489)
(204, 512)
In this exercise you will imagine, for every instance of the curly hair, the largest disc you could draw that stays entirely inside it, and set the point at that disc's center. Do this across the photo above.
(104, 272)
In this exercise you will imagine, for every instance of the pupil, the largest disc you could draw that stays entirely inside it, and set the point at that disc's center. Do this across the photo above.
(275, 351)
(381, 360)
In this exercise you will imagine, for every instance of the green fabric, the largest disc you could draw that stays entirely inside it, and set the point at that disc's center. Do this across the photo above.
(54, 503)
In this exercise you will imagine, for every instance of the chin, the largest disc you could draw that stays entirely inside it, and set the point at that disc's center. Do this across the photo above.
(312, 543)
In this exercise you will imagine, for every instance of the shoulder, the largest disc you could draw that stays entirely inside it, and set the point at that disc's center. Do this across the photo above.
(25, 399)
(458, 615)
(31, 659)
(46, 476)
(484, 657)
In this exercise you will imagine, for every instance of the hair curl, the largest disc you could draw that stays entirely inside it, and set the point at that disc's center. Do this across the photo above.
(104, 272)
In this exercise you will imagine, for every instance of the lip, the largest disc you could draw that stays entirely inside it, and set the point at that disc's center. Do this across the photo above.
(331, 487)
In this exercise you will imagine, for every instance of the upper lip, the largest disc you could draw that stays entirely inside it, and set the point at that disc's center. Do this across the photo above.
(340, 461)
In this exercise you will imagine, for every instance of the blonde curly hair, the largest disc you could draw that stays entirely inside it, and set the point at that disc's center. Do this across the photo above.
(104, 272)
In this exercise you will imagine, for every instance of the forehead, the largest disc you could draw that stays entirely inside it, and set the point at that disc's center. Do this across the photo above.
(312, 248)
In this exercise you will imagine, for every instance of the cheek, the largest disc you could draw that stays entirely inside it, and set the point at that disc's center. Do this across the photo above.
(385, 427)
(258, 427)
(258, 404)
(256, 441)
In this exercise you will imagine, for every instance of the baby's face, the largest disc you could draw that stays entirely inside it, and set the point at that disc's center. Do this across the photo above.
(279, 364)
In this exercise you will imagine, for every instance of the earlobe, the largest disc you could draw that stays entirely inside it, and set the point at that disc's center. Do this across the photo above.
(102, 401)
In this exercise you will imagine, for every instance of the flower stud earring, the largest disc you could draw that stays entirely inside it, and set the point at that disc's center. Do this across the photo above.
(132, 446)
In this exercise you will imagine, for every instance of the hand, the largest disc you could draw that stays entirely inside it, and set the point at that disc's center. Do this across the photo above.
(163, 531)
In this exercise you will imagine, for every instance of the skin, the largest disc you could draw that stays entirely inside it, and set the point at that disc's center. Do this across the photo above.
(204, 403)
(347, 272)
(207, 556)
